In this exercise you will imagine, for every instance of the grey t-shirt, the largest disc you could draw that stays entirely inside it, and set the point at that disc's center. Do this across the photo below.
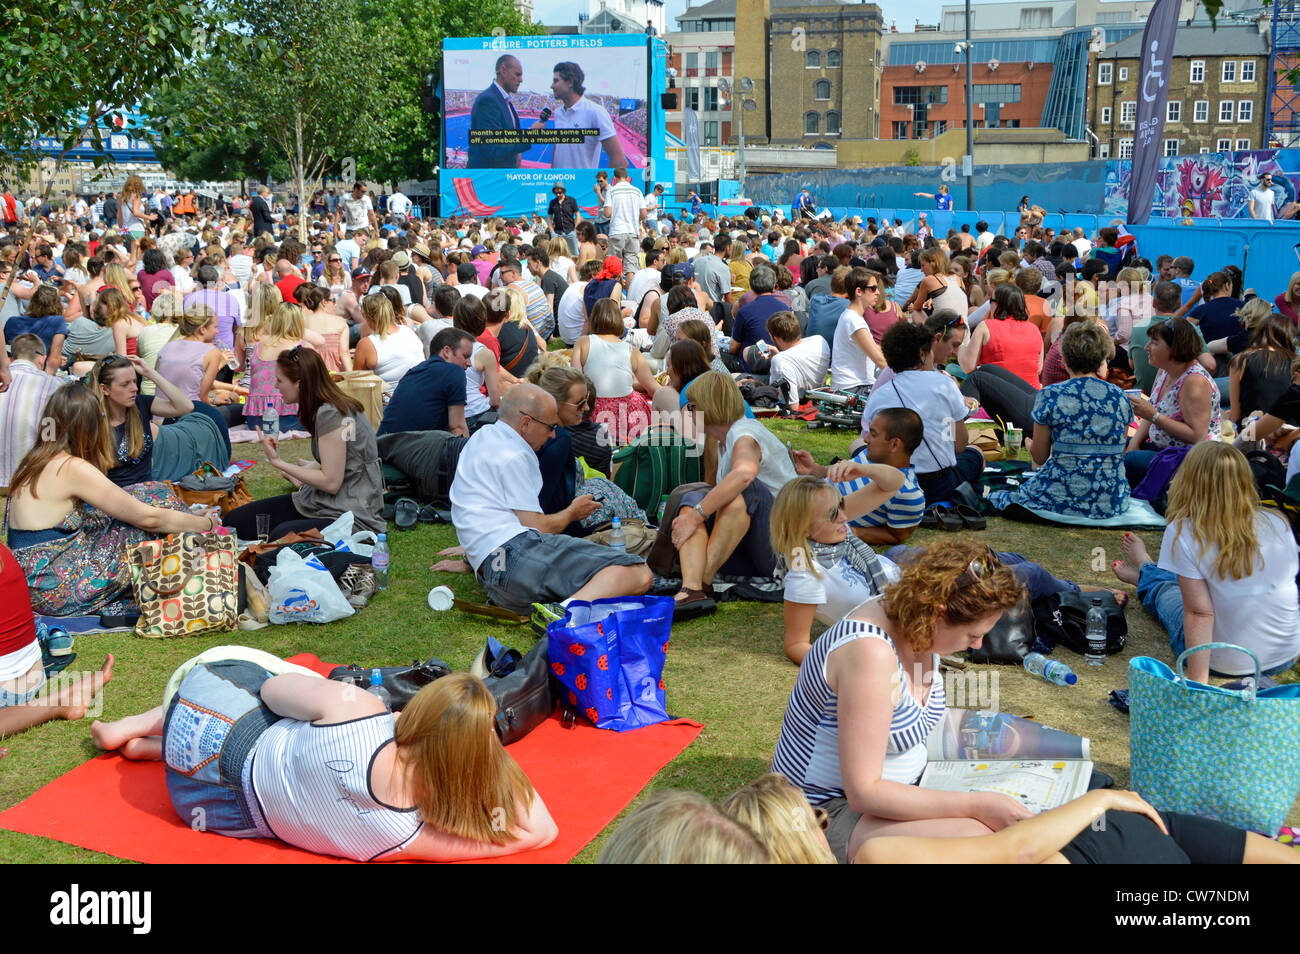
(362, 490)
(87, 337)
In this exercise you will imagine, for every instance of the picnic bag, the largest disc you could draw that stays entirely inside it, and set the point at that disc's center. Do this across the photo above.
(1062, 619)
(523, 687)
(1231, 755)
(206, 486)
(367, 389)
(184, 584)
(609, 657)
(1011, 639)
(304, 591)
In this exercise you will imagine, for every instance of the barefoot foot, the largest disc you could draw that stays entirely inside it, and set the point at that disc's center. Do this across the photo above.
(144, 749)
(75, 697)
(1121, 596)
(1125, 572)
(1135, 550)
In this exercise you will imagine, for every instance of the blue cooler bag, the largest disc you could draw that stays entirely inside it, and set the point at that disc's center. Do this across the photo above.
(1231, 755)
(609, 656)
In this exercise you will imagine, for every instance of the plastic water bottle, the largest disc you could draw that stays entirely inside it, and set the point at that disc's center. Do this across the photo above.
(270, 421)
(617, 540)
(1096, 634)
(379, 562)
(1050, 669)
(376, 689)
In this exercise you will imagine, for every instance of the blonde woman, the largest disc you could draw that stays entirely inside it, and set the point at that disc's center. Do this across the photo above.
(130, 414)
(826, 569)
(675, 827)
(1132, 304)
(319, 317)
(778, 813)
(117, 276)
(1226, 570)
(334, 277)
(387, 347)
(284, 330)
(191, 362)
(564, 266)
(263, 300)
(1288, 302)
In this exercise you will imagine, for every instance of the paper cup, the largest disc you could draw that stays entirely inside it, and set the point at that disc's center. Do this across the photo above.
(441, 598)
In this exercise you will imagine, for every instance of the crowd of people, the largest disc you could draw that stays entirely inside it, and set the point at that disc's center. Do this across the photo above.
(141, 341)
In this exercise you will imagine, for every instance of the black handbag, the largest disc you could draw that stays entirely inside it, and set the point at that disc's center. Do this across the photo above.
(402, 682)
(1011, 639)
(1062, 618)
(524, 689)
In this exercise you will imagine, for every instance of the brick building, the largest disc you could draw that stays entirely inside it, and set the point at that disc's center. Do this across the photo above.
(1218, 92)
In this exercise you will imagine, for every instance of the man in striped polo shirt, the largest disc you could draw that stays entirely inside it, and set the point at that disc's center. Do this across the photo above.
(539, 312)
(892, 435)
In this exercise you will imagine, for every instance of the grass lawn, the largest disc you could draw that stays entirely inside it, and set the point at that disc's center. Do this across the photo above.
(727, 671)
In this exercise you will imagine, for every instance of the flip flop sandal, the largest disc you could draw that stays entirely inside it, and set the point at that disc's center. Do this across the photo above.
(949, 521)
(970, 517)
(58, 664)
(930, 518)
(431, 514)
(406, 514)
(696, 604)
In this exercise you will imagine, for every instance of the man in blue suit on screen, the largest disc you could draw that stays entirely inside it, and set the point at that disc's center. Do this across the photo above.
(493, 110)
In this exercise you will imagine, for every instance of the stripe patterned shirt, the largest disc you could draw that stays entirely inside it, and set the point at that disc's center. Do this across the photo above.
(900, 511)
(312, 783)
(808, 751)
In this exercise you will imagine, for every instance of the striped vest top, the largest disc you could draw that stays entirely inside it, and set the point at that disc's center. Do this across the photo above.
(312, 783)
(808, 751)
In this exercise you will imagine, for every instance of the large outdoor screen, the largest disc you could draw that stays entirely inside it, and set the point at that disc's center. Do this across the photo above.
(548, 102)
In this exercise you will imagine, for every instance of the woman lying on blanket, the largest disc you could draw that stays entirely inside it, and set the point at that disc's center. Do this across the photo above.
(1133, 832)
(259, 747)
(829, 571)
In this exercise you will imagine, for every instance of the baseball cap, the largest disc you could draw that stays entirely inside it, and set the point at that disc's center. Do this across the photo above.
(477, 250)
(683, 271)
(359, 272)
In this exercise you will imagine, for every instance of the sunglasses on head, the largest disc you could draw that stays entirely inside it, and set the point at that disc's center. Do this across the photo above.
(979, 568)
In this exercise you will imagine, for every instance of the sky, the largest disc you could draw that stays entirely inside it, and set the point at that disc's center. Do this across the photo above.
(565, 12)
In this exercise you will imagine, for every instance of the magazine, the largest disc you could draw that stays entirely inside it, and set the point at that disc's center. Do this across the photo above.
(976, 751)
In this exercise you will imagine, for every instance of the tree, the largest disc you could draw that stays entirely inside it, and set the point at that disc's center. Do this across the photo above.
(66, 71)
(411, 152)
(305, 79)
(229, 153)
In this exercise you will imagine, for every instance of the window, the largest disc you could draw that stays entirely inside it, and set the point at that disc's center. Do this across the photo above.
(1243, 145)
(1104, 72)
(812, 124)
(1126, 148)
(812, 60)
(1171, 147)
(1205, 150)
(1198, 71)
(939, 127)
(900, 130)
(822, 89)
(997, 93)
(710, 98)
(1223, 145)
(1128, 112)
(1032, 18)
(692, 97)
(832, 124)
(1245, 110)
(711, 60)
(1174, 112)
(1123, 74)
(1230, 71)
(833, 59)
(692, 64)
(915, 95)
(1105, 115)
(1103, 150)
(1248, 71)
(1201, 111)
(711, 134)
(1225, 111)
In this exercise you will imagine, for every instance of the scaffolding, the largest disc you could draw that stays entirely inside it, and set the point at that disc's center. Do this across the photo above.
(1282, 127)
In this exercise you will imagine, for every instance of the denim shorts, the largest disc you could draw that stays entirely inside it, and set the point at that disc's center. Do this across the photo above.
(534, 567)
(211, 729)
(8, 698)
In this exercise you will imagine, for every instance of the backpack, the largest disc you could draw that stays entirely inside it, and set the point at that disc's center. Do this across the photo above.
(656, 462)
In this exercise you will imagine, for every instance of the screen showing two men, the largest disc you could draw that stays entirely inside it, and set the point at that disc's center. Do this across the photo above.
(565, 108)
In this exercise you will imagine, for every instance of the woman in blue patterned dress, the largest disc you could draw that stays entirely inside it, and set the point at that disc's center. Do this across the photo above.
(1079, 433)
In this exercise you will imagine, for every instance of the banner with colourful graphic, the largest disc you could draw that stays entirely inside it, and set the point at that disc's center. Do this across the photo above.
(1209, 185)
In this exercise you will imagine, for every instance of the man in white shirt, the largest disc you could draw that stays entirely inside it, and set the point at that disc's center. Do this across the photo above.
(652, 209)
(467, 280)
(648, 277)
(855, 355)
(241, 264)
(1262, 199)
(624, 205)
(388, 277)
(520, 555)
(356, 210)
(1080, 243)
(578, 112)
(399, 205)
(799, 364)
(983, 238)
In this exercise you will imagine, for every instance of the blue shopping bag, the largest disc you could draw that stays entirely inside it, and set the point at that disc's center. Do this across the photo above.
(609, 656)
(1231, 755)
